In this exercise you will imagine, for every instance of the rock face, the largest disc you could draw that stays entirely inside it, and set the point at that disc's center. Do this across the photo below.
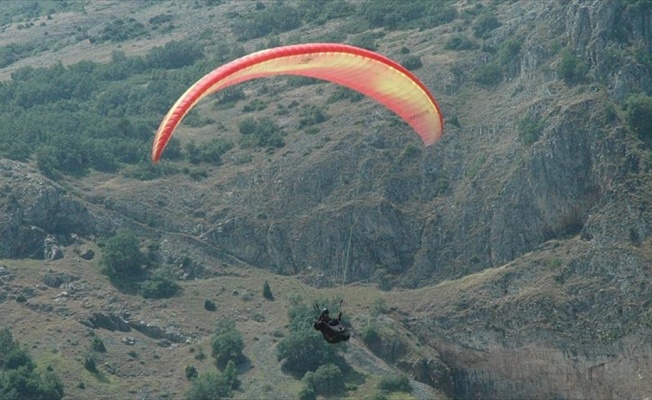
(485, 198)
(113, 322)
(56, 279)
(36, 214)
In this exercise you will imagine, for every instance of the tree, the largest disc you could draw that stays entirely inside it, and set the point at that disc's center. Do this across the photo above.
(161, 284)
(227, 343)
(327, 379)
(122, 258)
(19, 378)
(231, 375)
(209, 386)
(304, 351)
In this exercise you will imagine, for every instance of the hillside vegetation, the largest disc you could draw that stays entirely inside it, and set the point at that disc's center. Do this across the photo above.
(509, 260)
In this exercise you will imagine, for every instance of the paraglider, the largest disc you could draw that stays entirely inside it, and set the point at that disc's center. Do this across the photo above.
(367, 72)
(331, 328)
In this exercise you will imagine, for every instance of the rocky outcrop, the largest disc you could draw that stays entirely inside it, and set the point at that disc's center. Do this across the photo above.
(35, 213)
(113, 322)
(56, 279)
(156, 332)
(108, 321)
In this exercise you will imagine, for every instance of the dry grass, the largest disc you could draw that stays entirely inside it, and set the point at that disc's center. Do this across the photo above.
(57, 338)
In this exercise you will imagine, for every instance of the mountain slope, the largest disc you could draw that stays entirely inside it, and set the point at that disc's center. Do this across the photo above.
(517, 247)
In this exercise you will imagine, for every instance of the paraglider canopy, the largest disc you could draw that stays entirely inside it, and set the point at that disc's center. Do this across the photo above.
(367, 72)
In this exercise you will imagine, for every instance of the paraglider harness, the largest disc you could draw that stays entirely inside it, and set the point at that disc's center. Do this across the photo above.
(331, 328)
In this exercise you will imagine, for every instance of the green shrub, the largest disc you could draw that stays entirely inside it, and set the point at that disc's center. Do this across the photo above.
(366, 40)
(488, 74)
(231, 375)
(191, 372)
(326, 380)
(484, 24)
(89, 365)
(529, 130)
(98, 345)
(268, 20)
(412, 62)
(307, 392)
(378, 307)
(227, 343)
(305, 350)
(209, 305)
(344, 93)
(395, 15)
(312, 115)
(639, 114)
(509, 49)
(460, 42)
(370, 334)
(572, 69)
(213, 150)
(161, 284)
(230, 95)
(121, 258)
(267, 291)
(395, 384)
(119, 30)
(209, 385)
(255, 105)
(262, 133)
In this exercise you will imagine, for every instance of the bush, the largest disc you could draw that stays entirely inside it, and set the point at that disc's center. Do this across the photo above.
(343, 93)
(460, 42)
(231, 375)
(485, 24)
(19, 378)
(230, 95)
(267, 291)
(208, 386)
(509, 50)
(312, 115)
(307, 392)
(227, 343)
(304, 351)
(121, 258)
(267, 20)
(262, 133)
(412, 62)
(255, 105)
(209, 305)
(160, 285)
(326, 380)
(529, 130)
(174, 55)
(98, 345)
(572, 69)
(488, 74)
(191, 372)
(119, 30)
(639, 114)
(370, 334)
(395, 384)
(395, 15)
(89, 365)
